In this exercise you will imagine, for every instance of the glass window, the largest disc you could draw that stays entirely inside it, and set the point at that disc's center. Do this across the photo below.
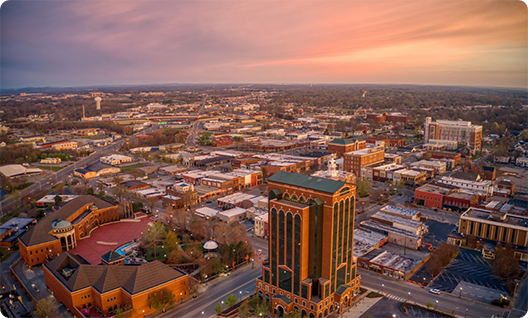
(285, 279)
(273, 253)
(297, 258)
(281, 238)
(294, 198)
(289, 240)
(286, 196)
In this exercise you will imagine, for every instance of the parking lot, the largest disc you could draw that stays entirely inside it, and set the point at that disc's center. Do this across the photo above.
(471, 267)
(438, 232)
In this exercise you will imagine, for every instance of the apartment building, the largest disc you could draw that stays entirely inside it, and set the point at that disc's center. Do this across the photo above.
(459, 131)
(483, 188)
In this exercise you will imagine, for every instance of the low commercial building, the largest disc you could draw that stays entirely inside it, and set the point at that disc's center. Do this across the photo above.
(446, 155)
(402, 212)
(206, 212)
(61, 230)
(493, 226)
(232, 215)
(388, 142)
(394, 235)
(50, 199)
(409, 177)
(115, 160)
(172, 170)
(431, 196)
(390, 260)
(59, 145)
(234, 200)
(506, 187)
(438, 166)
(55, 161)
(210, 162)
(35, 138)
(415, 227)
(12, 229)
(366, 241)
(483, 188)
(459, 201)
(96, 170)
(380, 171)
(103, 289)
(261, 225)
(17, 171)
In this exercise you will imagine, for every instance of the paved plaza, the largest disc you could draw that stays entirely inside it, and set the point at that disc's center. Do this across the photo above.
(120, 233)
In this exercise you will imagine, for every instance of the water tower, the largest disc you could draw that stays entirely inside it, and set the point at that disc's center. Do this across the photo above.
(98, 103)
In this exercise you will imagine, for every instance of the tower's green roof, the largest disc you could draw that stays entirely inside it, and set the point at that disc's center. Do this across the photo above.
(340, 141)
(308, 182)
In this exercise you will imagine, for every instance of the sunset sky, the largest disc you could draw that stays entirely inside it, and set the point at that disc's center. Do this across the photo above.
(77, 43)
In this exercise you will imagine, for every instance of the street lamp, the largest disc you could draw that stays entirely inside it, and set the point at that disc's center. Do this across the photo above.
(460, 294)
(382, 285)
(240, 296)
(203, 314)
(436, 303)
(466, 313)
(408, 296)
(181, 296)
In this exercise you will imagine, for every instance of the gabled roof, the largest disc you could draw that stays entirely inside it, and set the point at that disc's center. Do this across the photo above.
(39, 233)
(341, 141)
(104, 278)
(308, 182)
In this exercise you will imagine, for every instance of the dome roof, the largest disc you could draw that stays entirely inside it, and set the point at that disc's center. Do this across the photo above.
(60, 224)
(210, 245)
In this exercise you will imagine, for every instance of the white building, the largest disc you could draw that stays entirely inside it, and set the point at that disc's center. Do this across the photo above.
(480, 187)
(261, 225)
(115, 160)
(51, 160)
(453, 130)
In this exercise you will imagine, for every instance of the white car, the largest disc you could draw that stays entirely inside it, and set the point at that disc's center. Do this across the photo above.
(435, 291)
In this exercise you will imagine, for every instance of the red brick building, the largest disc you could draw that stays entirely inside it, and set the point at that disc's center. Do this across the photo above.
(61, 230)
(80, 285)
(445, 154)
(459, 201)
(389, 142)
(340, 146)
(430, 195)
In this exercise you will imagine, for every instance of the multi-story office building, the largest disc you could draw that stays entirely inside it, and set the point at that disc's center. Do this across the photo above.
(459, 131)
(311, 267)
(340, 146)
(354, 160)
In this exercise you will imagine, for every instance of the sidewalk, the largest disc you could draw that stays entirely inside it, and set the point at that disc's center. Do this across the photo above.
(360, 307)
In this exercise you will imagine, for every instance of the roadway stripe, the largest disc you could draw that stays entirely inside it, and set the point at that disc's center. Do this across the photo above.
(229, 292)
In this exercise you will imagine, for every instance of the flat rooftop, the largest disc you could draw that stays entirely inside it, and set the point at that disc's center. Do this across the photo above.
(391, 256)
(365, 241)
(433, 189)
(385, 229)
(400, 211)
(502, 218)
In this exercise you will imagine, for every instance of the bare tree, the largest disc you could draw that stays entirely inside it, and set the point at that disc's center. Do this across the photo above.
(47, 308)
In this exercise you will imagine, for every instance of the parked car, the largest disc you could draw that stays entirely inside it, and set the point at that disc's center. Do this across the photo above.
(435, 291)
(35, 287)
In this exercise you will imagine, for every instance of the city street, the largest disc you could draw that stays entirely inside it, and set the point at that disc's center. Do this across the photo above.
(403, 291)
(241, 283)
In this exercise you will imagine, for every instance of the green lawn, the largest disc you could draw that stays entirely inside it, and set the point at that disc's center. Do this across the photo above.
(52, 168)
(160, 253)
(6, 252)
(137, 165)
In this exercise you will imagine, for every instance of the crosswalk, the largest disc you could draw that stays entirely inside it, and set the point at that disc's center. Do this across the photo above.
(400, 299)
